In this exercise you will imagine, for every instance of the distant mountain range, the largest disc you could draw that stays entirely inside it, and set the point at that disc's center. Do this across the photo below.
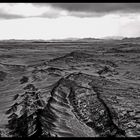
(109, 38)
(76, 40)
(113, 37)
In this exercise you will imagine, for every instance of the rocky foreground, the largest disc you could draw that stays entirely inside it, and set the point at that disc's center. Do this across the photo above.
(76, 95)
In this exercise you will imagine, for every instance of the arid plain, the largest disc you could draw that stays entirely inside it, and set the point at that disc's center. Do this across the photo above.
(91, 88)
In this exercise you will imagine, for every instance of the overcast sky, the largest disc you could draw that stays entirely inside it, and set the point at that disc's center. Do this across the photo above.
(66, 20)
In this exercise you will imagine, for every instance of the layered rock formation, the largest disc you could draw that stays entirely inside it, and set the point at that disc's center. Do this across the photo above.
(80, 94)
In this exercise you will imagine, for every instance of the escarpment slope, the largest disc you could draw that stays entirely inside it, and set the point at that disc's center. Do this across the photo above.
(92, 90)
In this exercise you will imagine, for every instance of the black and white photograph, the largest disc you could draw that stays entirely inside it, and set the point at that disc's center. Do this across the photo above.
(69, 70)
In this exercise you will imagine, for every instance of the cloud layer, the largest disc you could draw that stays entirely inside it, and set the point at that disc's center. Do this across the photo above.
(64, 20)
(95, 9)
(98, 7)
(54, 10)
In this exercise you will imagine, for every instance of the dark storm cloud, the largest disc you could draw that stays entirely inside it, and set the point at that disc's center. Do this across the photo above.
(94, 9)
(97, 7)
(76, 9)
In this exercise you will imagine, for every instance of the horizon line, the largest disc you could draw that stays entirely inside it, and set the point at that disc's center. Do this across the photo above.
(75, 38)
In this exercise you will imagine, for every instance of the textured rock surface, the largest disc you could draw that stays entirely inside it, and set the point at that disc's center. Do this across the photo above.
(91, 91)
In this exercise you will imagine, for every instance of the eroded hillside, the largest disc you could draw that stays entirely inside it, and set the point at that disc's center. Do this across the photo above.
(91, 90)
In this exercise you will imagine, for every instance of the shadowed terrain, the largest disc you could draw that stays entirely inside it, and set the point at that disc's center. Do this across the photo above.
(70, 89)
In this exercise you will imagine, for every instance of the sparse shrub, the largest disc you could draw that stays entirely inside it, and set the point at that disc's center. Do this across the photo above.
(24, 80)
(2, 75)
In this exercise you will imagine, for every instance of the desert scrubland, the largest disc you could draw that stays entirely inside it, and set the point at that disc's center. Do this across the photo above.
(70, 89)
